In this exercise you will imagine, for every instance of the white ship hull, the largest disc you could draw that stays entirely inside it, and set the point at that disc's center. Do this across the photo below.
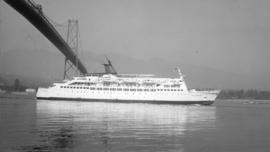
(115, 87)
(189, 97)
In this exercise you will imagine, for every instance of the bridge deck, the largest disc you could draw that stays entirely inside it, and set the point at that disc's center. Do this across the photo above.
(36, 17)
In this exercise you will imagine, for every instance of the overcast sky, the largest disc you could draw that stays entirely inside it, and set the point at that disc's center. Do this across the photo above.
(228, 35)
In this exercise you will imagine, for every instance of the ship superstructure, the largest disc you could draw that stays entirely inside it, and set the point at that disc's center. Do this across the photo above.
(110, 86)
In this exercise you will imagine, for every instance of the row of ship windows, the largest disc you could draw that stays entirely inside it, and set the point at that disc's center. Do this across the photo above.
(120, 89)
(125, 84)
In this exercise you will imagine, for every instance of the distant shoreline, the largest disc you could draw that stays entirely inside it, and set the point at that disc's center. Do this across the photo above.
(18, 95)
(251, 94)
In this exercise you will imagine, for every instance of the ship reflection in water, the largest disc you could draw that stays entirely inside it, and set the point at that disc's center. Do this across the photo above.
(97, 126)
(51, 126)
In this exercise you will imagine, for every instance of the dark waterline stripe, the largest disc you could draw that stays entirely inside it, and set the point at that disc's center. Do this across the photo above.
(130, 101)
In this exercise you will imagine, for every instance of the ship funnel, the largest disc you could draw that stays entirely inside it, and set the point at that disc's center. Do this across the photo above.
(109, 69)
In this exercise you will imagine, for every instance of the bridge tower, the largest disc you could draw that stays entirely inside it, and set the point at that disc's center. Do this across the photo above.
(70, 69)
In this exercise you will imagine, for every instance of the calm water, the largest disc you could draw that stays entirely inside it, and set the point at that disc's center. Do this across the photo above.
(32, 126)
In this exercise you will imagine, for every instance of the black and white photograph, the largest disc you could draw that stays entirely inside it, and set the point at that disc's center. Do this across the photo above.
(134, 75)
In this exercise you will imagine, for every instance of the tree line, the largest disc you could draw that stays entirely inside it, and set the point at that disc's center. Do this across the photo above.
(244, 94)
(17, 86)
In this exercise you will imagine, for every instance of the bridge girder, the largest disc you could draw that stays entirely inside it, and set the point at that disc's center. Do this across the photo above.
(36, 17)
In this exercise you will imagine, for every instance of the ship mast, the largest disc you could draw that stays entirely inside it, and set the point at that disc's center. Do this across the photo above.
(180, 73)
(181, 77)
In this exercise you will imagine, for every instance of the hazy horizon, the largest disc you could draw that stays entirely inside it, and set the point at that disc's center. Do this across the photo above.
(229, 37)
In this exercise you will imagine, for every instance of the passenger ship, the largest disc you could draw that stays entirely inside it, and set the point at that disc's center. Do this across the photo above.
(113, 87)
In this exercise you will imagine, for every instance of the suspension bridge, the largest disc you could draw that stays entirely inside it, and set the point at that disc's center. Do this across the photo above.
(33, 13)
